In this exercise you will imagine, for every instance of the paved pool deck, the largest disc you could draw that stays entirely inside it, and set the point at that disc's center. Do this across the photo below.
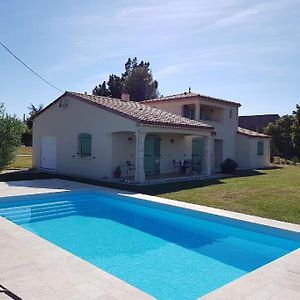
(33, 268)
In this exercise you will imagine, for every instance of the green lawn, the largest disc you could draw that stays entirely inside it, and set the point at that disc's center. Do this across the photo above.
(25, 151)
(272, 193)
(22, 162)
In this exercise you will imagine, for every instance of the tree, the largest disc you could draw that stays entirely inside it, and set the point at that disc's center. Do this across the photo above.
(114, 84)
(27, 135)
(285, 134)
(137, 80)
(33, 110)
(11, 129)
(281, 133)
(296, 130)
(101, 90)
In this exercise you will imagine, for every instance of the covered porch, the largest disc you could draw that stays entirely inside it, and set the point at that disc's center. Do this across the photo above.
(161, 154)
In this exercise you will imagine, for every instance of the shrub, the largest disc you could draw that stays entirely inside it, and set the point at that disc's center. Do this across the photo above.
(228, 166)
(295, 160)
(282, 161)
(11, 129)
(276, 160)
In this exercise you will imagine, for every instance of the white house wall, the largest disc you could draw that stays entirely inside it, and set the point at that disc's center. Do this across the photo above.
(123, 150)
(225, 130)
(243, 152)
(247, 157)
(66, 124)
(259, 161)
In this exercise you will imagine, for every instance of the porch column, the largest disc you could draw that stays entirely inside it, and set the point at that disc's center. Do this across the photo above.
(139, 175)
(209, 154)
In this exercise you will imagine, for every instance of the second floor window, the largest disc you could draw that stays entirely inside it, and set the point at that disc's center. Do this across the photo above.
(189, 112)
(84, 145)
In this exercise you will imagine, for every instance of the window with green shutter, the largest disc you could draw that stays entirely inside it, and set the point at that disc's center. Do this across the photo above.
(260, 148)
(84, 145)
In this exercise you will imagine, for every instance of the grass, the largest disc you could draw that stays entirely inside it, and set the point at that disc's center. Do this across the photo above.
(22, 162)
(25, 151)
(273, 194)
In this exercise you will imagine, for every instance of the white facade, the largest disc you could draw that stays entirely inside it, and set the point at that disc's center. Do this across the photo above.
(222, 116)
(117, 139)
(247, 152)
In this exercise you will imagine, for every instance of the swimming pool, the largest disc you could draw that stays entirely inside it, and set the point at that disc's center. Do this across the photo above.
(168, 252)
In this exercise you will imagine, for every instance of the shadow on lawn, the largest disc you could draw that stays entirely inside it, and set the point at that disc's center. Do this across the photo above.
(156, 189)
(151, 189)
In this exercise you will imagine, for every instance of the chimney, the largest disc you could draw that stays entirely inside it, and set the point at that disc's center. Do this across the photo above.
(125, 96)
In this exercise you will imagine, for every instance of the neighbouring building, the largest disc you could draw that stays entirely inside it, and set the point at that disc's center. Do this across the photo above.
(98, 137)
(257, 122)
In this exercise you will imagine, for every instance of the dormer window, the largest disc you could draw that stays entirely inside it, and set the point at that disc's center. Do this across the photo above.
(188, 111)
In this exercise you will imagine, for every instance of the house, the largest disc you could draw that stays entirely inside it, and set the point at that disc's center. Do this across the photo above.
(90, 136)
(257, 122)
(248, 148)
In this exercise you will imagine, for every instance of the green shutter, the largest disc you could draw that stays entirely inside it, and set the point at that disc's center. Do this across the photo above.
(85, 145)
(260, 148)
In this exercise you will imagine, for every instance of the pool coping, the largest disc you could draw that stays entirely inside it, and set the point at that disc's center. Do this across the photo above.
(276, 280)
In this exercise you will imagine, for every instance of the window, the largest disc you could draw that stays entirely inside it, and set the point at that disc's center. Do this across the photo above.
(260, 148)
(211, 113)
(84, 145)
(189, 111)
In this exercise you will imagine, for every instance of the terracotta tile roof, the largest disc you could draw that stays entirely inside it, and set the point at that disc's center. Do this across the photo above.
(141, 113)
(187, 95)
(251, 133)
(257, 122)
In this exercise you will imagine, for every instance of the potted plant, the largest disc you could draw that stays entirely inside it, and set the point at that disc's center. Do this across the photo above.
(117, 172)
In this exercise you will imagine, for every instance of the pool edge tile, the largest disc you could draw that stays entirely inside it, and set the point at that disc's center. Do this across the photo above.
(281, 275)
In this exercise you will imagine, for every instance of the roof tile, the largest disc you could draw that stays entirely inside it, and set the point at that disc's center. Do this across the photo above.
(251, 133)
(190, 95)
(142, 113)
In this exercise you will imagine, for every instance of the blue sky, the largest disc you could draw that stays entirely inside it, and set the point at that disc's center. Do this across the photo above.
(246, 51)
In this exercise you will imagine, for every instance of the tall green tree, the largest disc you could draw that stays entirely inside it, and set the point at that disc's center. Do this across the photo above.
(296, 130)
(285, 134)
(11, 129)
(114, 84)
(137, 80)
(33, 110)
(101, 90)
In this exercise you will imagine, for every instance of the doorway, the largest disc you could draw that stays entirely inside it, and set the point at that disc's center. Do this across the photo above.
(198, 155)
(152, 155)
(218, 154)
(48, 152)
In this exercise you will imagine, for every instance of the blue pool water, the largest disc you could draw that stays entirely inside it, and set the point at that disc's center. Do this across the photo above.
(168, 252)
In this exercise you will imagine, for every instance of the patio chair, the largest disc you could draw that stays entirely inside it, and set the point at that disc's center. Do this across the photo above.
(187, 166)
(176, 166)
(130, 169)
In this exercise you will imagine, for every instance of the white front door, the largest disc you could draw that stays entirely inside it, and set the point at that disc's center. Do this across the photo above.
(48, 152)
